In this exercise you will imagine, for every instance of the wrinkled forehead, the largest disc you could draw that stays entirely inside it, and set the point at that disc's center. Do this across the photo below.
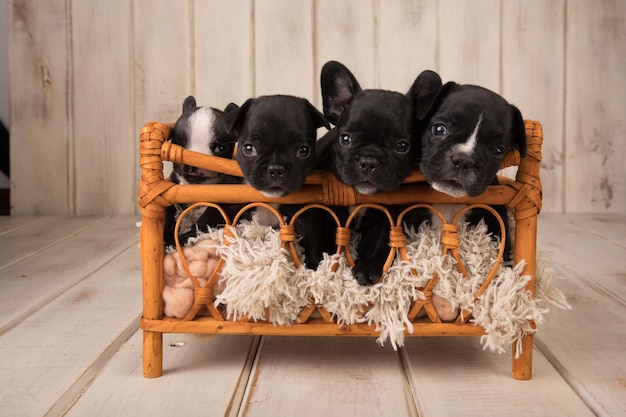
(381, 110)
(291, 117)
(467, 105)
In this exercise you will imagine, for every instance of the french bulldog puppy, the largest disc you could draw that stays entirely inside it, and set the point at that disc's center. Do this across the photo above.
(199, 129)
(373, 148)
(276, 138)
(468, 134)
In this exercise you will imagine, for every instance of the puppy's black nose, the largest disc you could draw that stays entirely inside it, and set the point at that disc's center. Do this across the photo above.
(368, 163)
(463, 161)
(276, 170)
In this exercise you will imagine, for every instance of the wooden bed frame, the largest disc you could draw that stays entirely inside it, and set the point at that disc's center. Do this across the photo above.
(522, 195)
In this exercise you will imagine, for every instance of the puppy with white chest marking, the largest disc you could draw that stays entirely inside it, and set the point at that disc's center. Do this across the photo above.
(276, 151)
(469, 132)
(199, 129)
(373, 148)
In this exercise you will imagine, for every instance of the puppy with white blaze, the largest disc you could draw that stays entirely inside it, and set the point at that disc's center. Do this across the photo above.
(469, 131)
(198, 129)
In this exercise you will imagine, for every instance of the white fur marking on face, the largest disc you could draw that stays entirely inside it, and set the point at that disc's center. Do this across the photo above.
(470, 143)
(200, 131)
(448, 189)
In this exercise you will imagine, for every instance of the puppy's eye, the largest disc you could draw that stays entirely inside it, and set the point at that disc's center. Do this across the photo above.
(248, 149)
(303, 151)
(499, 151)
(345, 139)
(439, 129)
(220, 149)
(402, 146)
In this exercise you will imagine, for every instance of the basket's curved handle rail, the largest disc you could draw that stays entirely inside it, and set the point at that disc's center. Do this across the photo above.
(292, 223)
(281, 223)
(392, 250)
(427, 290)
(307, 311)
(453, 249)
(342, 239)
(203, 296)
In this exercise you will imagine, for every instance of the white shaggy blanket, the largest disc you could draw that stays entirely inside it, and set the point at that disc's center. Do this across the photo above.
(260, 281)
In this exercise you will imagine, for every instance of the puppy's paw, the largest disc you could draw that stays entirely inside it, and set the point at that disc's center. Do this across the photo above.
(366, 273)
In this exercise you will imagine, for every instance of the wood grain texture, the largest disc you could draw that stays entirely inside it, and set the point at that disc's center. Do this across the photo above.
(599, 378)
(35, 236)
(407, 41)
(454, 376)
(283, 45)
(71, 351)
(8, 224)
(533, 59)
(597, 264)
(39, 95)
(469, 42)
(339, 27)
(595, 179)
(201, 377)
(595, 328)
(67, 253)
(105, 151)
(86, 76)
(49, 358)
(223, 52)
(326, 377)
(162, 65)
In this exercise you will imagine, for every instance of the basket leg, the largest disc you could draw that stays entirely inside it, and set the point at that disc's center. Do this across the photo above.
(152, 354)
(151, 247)
(525, 249)
(523, 365)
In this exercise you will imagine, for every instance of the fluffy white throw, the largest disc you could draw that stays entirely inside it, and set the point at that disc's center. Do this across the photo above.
(260, 281)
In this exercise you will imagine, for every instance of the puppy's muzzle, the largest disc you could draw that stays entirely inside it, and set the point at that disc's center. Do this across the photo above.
(463, 162)
(276, 171)
(368, 164)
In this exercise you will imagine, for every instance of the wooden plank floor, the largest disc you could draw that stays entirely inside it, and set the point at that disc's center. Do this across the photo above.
(70, 344)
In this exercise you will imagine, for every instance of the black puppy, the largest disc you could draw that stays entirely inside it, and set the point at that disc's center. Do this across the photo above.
(469, 132)
(373, 148)
(276, 138)
(276, 151)
(199, 129)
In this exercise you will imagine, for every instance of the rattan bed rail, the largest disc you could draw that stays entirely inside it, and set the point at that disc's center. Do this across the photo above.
(522, 195)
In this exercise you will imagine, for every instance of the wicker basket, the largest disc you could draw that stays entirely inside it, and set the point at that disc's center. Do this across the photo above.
(522, 196)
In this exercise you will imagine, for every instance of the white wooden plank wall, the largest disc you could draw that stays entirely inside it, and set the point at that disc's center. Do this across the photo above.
(85, 77)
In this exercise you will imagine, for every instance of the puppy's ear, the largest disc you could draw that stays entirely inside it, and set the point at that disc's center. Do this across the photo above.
(234, 117)
(189, 104)
(424, 92)
(518, 130)
(317, 118)
(338, 87)
(230, 107)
